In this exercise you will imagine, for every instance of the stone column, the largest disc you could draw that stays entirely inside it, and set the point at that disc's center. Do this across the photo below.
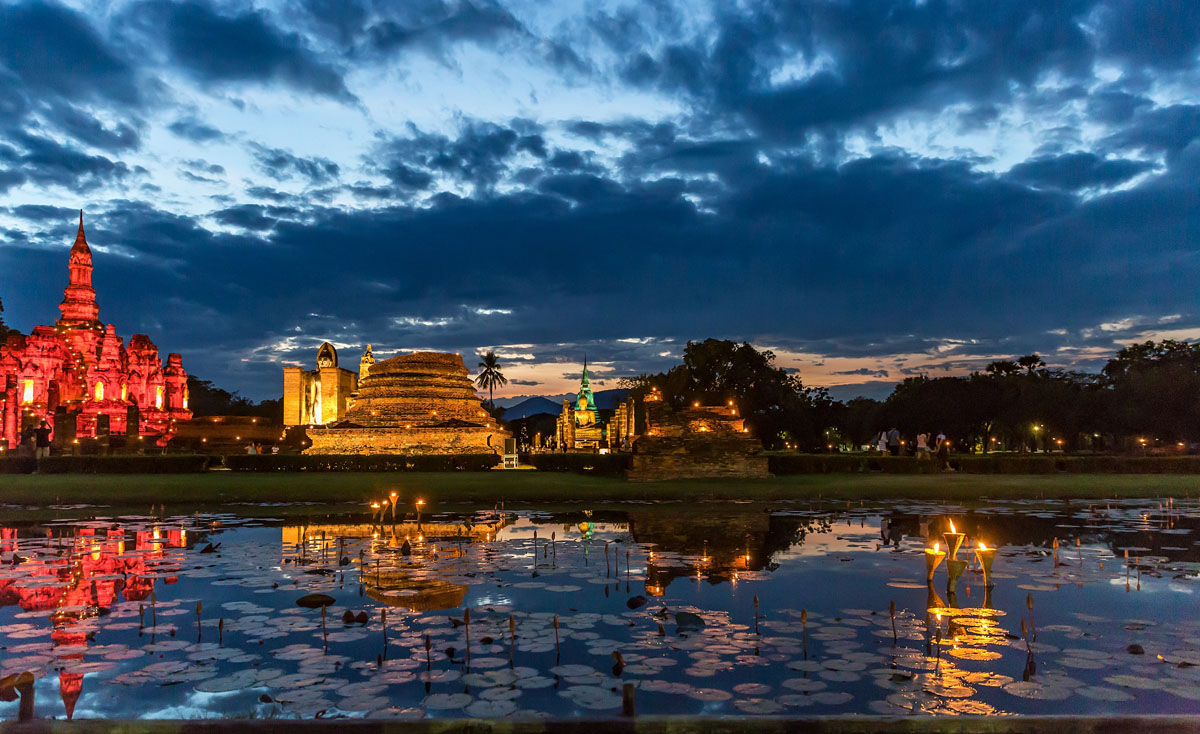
(333, 397)
(11, 409)
(293, 395)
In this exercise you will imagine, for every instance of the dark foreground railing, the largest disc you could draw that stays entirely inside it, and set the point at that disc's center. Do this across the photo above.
(639, 725)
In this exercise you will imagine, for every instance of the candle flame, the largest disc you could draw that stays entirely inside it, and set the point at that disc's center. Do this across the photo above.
(935, 547)
(952, 527)
(982, 547)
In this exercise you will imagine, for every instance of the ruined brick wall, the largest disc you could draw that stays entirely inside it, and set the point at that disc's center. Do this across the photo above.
(695, 443)
(380, 440)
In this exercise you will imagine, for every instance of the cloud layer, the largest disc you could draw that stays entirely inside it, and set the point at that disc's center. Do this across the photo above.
(871, 189)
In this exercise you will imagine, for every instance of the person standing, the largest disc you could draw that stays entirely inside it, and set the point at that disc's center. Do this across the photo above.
(893, 441)
(881, 443)
(922, 446)
(943, 452)
(41, 437)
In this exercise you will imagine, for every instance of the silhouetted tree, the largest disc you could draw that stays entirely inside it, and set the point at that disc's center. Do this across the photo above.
(205, 399)
(4, 330)
(490, 377)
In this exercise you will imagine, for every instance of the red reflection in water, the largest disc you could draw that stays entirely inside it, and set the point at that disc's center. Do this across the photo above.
(78, 578)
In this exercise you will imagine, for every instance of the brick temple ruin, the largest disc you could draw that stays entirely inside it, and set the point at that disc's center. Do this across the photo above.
(419, 403)
(695, 442)
(82, 379)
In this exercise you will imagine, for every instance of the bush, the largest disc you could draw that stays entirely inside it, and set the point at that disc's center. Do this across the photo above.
(784, 464)
(175, 464)
(600, 465)
(357, 463)
(18, 465)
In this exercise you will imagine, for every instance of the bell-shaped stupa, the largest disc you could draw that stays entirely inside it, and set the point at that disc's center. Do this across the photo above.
(420, 403)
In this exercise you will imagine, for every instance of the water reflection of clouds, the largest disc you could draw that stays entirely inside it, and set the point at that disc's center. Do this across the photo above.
(796, 562)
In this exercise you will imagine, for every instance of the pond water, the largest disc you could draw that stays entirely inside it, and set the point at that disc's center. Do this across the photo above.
(197, 615)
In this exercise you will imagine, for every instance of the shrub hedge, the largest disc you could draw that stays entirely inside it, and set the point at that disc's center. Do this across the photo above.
(171, 464)
(608, 465)
(375, 463)
(18, 465)
(601, 465)
(781, 464)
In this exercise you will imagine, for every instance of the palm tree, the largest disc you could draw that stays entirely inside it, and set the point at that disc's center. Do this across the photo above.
(490, 376)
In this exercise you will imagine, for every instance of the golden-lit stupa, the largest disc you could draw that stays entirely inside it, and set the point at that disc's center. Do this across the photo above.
(420, 403)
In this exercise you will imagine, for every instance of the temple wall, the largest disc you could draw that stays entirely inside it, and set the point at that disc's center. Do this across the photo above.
(415, 440)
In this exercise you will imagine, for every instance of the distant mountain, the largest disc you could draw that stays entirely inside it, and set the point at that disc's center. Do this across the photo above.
(532, 406)
(610, 399)
(523, 407)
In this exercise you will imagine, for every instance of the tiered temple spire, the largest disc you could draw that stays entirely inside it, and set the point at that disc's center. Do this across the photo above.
(79, 307)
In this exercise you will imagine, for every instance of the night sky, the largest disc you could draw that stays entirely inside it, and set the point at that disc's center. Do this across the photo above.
(872, 189)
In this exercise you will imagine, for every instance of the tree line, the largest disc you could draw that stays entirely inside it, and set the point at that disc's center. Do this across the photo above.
(1146, 398)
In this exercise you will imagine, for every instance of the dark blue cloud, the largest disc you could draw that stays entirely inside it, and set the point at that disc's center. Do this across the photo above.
(281, 165)
(219, 48)
(54, 50)
(1077, 171)
(1155, 33)
(193, 129)
(41, 160)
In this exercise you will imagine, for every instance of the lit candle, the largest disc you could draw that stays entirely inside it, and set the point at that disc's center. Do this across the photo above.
(933, 558)
(986, 557)
(954, 540)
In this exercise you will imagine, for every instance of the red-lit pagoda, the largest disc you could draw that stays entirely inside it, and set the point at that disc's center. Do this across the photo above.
(81, 371)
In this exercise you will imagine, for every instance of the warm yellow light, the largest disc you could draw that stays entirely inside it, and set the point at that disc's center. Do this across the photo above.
(27, 393)
(952, 527)
(158, 397)
(99, 391)
(982, 547)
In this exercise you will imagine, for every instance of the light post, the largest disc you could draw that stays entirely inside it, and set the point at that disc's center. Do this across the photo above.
(420, 504)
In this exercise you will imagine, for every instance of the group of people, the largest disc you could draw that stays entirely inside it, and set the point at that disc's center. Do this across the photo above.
(35, 441)
(254, 448)
(889, 443)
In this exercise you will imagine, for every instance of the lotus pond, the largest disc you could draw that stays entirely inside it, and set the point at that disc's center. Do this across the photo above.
(788, 608)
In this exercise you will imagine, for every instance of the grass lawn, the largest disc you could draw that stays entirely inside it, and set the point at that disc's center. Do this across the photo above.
(175, 490)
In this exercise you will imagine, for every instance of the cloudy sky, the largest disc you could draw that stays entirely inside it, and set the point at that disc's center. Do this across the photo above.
(871, 188)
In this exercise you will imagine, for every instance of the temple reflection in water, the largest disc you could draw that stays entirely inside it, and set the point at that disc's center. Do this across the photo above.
(88, 572)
